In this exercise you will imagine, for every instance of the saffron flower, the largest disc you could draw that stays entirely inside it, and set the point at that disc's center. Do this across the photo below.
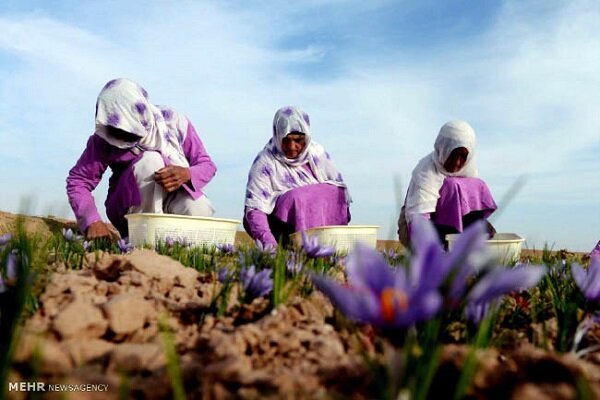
(124, 246)
(185, 242)
(169, 241)
(267, 248)
(4, 239)
(596, 250)
(293, 265)
(379, 295)
(225, 248)
(255, 284)
(314, 250)
(588, 281)
(224, 275)
(429, 259)
(11, 269)
(67, 234)
(498, 282)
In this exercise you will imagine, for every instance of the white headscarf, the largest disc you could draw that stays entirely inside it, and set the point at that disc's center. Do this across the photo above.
(124, 104)
(428, 176)
(272, 173)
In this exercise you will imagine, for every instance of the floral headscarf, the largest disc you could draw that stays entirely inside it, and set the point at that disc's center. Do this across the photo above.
(272, 173)
(428, 176)
(125, 105)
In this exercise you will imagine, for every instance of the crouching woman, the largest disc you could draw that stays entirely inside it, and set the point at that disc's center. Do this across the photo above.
(293, 184)
(158, 162)
(445, 188)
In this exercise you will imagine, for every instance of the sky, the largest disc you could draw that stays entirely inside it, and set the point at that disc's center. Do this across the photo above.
(378, 80)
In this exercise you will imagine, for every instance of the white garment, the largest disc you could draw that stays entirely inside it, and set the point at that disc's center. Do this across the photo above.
(429, 174)
(124, 104)
(273, 174)
(154, 199)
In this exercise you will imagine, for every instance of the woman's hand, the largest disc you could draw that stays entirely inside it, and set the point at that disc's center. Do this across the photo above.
(172, 177)
(100, 230)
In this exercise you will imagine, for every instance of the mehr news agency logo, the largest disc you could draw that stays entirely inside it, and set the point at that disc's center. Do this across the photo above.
(56, 387)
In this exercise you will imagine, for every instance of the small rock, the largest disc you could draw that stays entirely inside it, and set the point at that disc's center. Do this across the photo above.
(80, 320)
(126, 313)
(137, 357)
(83, 351)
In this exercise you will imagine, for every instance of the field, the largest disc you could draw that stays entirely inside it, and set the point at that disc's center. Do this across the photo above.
(104, 321)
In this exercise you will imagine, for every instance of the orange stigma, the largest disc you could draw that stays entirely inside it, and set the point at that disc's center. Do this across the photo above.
(392, 300)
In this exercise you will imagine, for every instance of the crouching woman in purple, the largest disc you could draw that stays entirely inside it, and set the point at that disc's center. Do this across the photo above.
(444, 186)
(157, 160)
(293, 184)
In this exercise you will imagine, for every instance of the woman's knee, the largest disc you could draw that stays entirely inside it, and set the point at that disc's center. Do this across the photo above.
(452, 183)
(182, 204)
(149, 163)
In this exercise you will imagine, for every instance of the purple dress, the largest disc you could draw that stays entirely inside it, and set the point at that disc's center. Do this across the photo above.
(123, 191)
(297, 210)
(460, 196)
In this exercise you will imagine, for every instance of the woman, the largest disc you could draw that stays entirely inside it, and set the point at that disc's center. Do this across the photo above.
(157, 160)
(444, 185)
(293, 185)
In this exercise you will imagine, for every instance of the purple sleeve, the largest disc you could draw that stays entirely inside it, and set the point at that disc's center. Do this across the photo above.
(202, 168)
(83, 179)
(258, 226)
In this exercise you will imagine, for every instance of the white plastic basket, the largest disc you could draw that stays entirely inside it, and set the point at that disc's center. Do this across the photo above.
(341, 237)
(149, 229)
(504, 247)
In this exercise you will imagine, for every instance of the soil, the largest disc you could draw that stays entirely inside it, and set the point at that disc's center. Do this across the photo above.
(109, 323)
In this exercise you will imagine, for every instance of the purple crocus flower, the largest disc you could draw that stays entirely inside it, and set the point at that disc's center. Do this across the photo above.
(498, 282)
(468, 255)
(255, 284)
(169, 241)
(4, 239)
(293, 264)
(224, 275)
(378, 294)
(11, 269)
(312, 247)
(266, 248)
(341, 260)
(225, 248)
(67, 234)
(588, 281)
(86, 245)
(596, 250)
(124, 245)
(183, 241)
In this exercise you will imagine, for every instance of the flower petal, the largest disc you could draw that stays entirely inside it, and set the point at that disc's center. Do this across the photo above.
(501, 281)
(368, 270)
(356, 304)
